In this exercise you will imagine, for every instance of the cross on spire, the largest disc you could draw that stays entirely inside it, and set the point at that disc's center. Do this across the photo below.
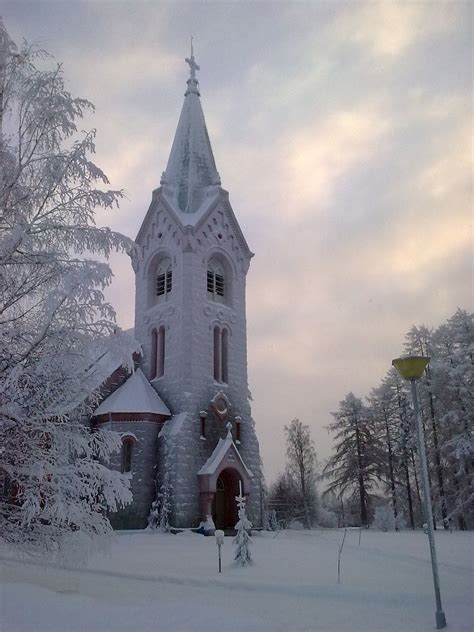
(192, 63)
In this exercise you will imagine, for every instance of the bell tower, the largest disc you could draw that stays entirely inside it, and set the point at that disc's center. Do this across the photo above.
(191, 260)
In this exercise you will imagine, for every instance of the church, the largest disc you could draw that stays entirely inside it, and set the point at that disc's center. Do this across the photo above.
(185, 413)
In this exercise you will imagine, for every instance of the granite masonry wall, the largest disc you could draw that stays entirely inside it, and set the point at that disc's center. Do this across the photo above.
(187, 386)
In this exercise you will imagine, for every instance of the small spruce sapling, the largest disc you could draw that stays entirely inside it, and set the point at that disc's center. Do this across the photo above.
(160, 511)
(242, 540)
(273, 521)
(164, 504)
(384, 518)
(153, 517)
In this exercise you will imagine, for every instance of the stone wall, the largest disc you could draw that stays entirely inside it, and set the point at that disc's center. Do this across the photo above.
(143, 472)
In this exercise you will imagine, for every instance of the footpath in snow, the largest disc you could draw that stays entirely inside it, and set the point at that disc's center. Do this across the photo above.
(159, 582)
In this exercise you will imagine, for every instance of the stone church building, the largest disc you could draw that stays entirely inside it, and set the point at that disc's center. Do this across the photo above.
(185, 410)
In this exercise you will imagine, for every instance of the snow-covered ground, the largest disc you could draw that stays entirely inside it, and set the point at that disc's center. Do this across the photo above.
(156, 582)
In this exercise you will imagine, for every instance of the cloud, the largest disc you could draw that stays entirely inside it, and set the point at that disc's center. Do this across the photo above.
(342, 132)
(451, 170)
(136, 68)
(318, 156)
(389, 29)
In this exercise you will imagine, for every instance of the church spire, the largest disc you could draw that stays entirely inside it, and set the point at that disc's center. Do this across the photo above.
(191, 170)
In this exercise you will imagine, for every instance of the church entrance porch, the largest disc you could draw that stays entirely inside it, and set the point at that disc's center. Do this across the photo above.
(224, 507)
(220, 479)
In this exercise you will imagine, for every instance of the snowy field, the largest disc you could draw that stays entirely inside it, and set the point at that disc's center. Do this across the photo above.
(156, 582)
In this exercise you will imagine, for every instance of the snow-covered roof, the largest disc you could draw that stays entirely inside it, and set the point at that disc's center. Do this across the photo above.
(191, 172)
(118, 352)
(218, 455)
(136, 395)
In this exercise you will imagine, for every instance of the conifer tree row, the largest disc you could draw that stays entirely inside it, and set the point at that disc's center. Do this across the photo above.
(375, 449)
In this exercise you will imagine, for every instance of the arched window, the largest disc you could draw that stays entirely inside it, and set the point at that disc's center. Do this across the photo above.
(163, 280)
(154, 346)
(127, 449)
(157, 359)
(221, 337)
(224, 343)
(217, 354)
(216, 283)
(160, 354)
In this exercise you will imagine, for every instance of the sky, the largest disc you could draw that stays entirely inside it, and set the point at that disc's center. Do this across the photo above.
(342, 131)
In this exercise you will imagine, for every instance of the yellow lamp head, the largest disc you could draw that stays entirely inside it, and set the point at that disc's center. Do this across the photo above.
(411, 367)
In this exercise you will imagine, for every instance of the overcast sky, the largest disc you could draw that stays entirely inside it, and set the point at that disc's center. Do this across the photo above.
(342, 132)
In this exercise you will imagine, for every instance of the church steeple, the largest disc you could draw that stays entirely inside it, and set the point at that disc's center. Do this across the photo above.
(191, 170)
(191, 260)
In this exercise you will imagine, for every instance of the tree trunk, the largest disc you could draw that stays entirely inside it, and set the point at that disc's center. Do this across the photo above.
(408, 489)
(417, 487)
(439, 469)
(390, 467)
(363, 506)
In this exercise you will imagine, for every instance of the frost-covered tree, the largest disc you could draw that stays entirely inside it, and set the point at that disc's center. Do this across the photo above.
(384, 518)
(447, 414)
(419, 341)
(301, 467)
(383, 419)
(391, 420)
(160, 512)
(154, 515)
(454, 364)
(161, 508)
(242, 539)
(54, 321)
(353, 467)
(273, 524)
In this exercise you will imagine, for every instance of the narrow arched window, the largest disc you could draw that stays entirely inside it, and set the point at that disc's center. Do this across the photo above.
(224, 354)
(221, 344)
(217, 354)
(127, 449)
(164, 280)
(153, 354)
(160, 363)
(216, 286)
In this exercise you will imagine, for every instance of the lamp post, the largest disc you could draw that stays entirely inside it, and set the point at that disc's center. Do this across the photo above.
(219, 541)
(411, 368)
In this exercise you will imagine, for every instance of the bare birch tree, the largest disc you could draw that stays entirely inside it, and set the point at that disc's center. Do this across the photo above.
(301, 465)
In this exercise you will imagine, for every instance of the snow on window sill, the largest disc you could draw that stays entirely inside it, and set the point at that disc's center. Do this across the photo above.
(222, 384)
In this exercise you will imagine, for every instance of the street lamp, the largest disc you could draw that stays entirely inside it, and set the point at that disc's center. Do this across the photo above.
(411, 368)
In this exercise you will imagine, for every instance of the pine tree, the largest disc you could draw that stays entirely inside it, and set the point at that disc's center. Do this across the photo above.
(164, 504)
(353, 467)
(160, 512)
(242, 540)
(381, 409)
(154, 515)
(273, 521)
(419, 341)
(454, 343)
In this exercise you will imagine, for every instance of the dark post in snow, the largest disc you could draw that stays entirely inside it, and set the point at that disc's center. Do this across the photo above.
(219, 541)
(411, 368)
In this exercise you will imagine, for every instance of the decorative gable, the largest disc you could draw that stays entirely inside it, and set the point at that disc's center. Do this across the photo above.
(225, 455)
